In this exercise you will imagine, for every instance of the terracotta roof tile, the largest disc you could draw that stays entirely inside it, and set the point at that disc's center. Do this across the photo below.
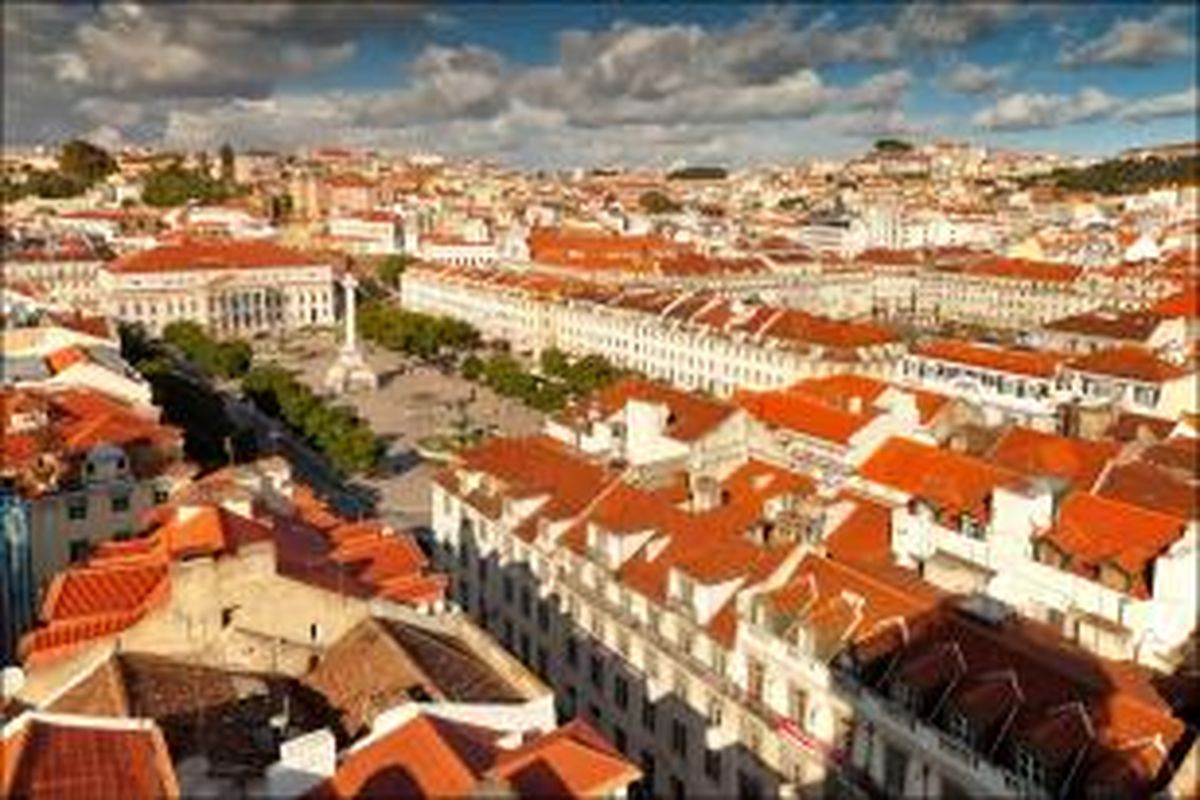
(1133, 363)
(1036, 453)
(951, 481)
(212, 255)
(1018, 362)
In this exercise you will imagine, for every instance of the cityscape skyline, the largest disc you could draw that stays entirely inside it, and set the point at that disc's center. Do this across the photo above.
(543, 86)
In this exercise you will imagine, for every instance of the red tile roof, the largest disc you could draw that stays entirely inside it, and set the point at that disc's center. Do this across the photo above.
(124, 581)
(67, 357)
(432, 757)
(1017, 362)
(800, 413)
(1035, 453)
(691, 416)
(212, 255)
(1183, 304)
(61, 757)
(1095, 531)
(1021, 269)
(951, 481)
(1134, 363)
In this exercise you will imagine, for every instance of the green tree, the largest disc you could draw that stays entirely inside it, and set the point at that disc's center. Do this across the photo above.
(391, 267)
(655, 202)
(84, 162)
(226, 157)
(175, 185)
(892, 146)
(472, 367)
(554, 362)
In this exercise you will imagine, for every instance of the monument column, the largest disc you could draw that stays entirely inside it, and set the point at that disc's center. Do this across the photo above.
(350, 370)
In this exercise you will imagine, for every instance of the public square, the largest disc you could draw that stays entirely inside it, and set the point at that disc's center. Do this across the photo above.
(414, 402)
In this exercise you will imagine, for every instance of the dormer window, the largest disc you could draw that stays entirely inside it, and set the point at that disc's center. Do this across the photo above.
(1029, 766)
(959, 726)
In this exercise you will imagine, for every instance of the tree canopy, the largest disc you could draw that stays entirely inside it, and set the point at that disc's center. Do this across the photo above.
(347, 441)
(1125, 176)
(175, 185)
(892, 146)
(85, 162)
(655, 202)
(414, 333)
(222, 359)
(698, 173)
(391, 267)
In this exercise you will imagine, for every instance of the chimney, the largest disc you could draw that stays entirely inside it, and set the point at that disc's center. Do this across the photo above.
(706, 494)
(304, 762)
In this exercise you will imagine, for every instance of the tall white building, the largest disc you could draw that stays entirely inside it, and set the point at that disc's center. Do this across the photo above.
(232, 288)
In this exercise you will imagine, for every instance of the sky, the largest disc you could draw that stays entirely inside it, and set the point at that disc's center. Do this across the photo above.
(614, 83)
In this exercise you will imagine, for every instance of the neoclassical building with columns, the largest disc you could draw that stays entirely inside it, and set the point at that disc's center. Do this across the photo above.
(232, 288)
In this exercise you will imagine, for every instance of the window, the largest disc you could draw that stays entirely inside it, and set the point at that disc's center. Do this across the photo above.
(525, 647)
(679, 741)
(572, 651)
(797, 704)
(120, 503)
(681, 685)
(755, 677)
(712, 765)
(958, 725)
(543, 662)
(227, 616)
(78, 549)
(619, 739)
(649, 715)
(648, 766)
(677, 792)
(508, 634)
(621, 692)
(571, 702)
(314, 632)
(77, 509)
(749, 787)
(543, 617)
(895, 770)
(1029, 766)
(508, 589)
(161, 495)
(596, 671)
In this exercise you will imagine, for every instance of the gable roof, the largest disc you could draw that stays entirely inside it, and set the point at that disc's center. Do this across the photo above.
(691, 416)
(1036, 453)
(951, 481)
(67, 756)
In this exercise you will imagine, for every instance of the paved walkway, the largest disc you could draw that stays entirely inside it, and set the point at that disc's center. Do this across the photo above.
(413, 401)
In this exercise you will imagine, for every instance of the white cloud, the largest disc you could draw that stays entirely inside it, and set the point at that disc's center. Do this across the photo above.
(1134, 42)
(1027, 110)
(1177, 104)
(969, 78)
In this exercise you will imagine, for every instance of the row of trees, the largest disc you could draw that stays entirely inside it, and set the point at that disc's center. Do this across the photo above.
(211, 439)
(1126, 176)
(417, 334)
(561, 378)
(217, 359)
(347, 441)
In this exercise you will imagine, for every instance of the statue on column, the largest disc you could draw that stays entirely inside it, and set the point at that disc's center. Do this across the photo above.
(350, 370)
